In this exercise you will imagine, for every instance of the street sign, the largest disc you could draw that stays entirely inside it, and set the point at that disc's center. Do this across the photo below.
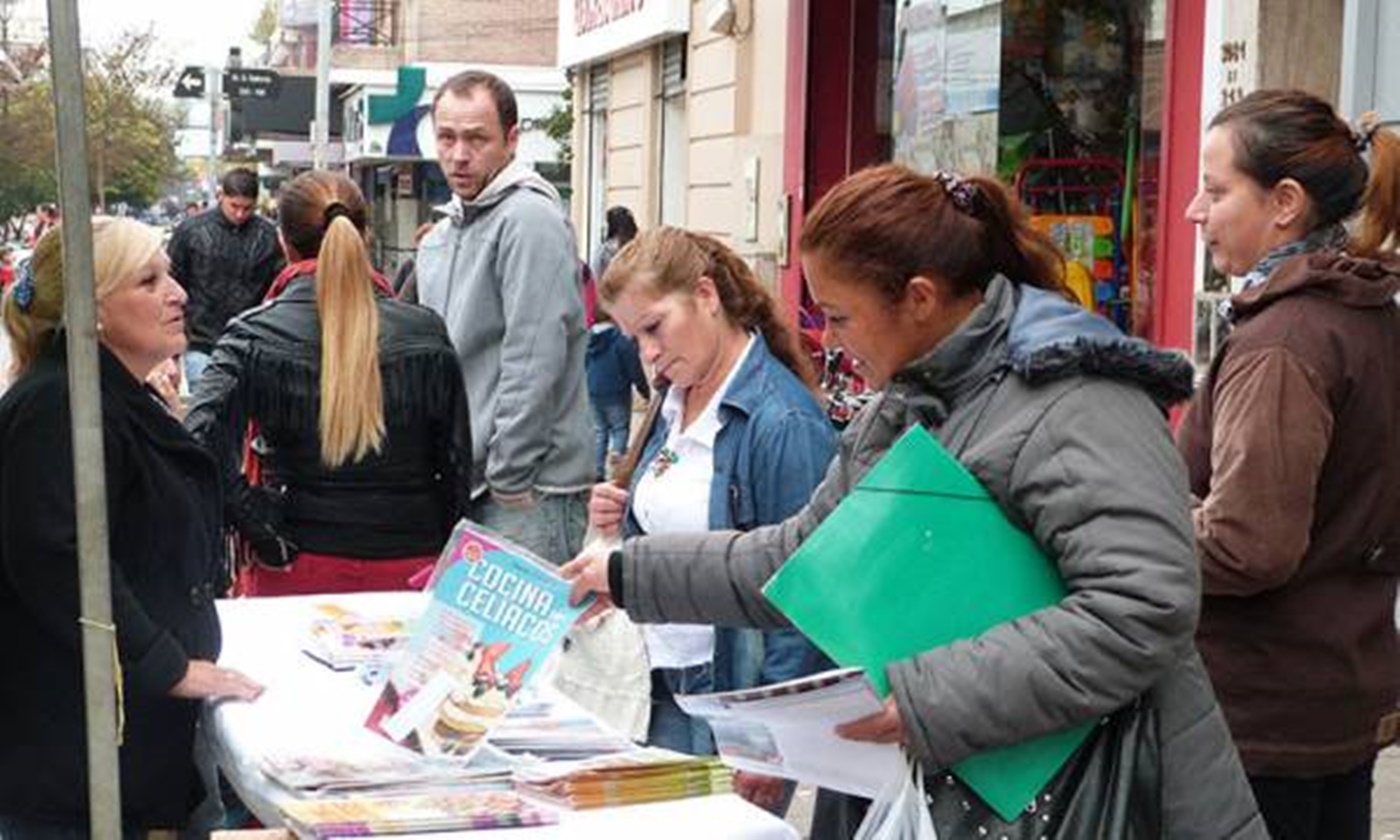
(251, 83)
(190, 85)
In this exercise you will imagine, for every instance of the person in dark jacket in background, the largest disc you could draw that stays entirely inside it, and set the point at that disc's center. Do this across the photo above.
(614, 369)
(226, 258)
(1293, 446)
(164, 542)
(363, 431)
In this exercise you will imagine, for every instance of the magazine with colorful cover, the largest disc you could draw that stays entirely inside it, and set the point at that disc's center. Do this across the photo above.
(366, 816)
(496, 613)
(343, 639)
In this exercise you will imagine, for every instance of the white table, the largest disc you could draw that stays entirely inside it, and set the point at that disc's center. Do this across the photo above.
(310, 709)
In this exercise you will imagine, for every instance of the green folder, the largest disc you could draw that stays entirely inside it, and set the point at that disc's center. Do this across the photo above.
(917, 556)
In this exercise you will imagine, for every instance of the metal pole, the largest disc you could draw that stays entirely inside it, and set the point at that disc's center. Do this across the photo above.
(213, 83)
(79, 313)
(321, 139)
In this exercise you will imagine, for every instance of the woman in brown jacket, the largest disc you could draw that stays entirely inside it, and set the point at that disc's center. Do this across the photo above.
(1293, 447)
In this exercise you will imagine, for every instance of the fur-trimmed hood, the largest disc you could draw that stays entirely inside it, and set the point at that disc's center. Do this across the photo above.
(1051, 338)
(1041, 337)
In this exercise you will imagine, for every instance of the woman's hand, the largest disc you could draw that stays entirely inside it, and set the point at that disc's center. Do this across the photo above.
(606, 507)
(764, 791)
(204, 680)
(883, 727)
(589, 574)
(165, 379)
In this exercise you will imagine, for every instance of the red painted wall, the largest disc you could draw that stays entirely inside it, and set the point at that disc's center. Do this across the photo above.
(1181, 148)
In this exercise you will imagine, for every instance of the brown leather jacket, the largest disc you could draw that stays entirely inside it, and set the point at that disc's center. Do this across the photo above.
(1293, 447)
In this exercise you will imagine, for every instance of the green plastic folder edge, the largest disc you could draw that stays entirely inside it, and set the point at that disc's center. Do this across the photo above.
(852, 589)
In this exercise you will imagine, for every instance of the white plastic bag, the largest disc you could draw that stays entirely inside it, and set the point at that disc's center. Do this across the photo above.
(604, 667)
(899, 812)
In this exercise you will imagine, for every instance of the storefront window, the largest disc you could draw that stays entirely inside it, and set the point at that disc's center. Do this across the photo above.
(1061, 99)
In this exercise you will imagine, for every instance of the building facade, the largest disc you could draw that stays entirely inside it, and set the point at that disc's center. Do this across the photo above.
(678, 111)
(389, 56)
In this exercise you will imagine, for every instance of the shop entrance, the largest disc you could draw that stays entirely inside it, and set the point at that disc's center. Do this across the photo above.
(1063, 100)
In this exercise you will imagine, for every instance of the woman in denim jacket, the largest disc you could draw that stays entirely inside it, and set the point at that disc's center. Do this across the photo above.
(740, 442)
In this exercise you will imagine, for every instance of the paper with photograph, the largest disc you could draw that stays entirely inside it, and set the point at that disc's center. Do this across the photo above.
(788, 729)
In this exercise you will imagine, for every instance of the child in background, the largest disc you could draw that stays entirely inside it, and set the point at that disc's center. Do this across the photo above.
(614, 369)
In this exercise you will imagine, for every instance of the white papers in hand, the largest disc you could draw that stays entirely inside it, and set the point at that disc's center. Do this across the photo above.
(788, 729)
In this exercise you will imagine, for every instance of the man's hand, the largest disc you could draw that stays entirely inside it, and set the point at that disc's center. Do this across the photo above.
(589, 574)
(764, 791)
(883, 727)
(204, 680)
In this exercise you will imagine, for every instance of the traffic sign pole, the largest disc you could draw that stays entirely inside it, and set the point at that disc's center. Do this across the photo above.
(321, 139)
(212, 78)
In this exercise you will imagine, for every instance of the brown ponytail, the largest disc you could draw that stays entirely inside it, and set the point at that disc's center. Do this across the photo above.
(674, 260)
(890, 224)
(1379, 227)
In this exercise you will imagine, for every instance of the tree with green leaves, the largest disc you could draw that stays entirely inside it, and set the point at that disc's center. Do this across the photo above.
(559, 125)
(131, 145)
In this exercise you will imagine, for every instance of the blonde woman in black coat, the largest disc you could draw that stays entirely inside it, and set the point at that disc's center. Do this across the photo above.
(163, 518)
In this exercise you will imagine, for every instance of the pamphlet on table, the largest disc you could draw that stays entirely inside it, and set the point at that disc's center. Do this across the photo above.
(495, 614)
(343, 639)
(788, 729)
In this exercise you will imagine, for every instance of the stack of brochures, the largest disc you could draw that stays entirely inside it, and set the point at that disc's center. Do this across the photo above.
(322, 775)
(648, 774)
(456, 811)
(496, 613)
(343, 639)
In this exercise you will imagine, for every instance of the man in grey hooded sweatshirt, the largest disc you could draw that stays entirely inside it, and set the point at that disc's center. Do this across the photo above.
(501, 269)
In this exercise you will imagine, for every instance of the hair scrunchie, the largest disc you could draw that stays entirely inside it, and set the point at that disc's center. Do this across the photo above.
(962, 193)
(23, 292)
(335, 210)
(1366, 126)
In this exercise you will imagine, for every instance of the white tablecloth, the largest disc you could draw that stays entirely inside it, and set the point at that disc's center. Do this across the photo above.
(307, 708)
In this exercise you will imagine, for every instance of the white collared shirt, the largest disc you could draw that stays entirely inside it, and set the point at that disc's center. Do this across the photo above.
(673, 497)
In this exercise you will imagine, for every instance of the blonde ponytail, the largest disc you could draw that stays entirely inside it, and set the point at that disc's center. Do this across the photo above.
(352, 392)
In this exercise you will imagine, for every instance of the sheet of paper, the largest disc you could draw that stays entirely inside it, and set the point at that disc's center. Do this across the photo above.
(789, 729)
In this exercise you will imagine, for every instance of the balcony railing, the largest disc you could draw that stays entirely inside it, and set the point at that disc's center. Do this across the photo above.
(369, 23)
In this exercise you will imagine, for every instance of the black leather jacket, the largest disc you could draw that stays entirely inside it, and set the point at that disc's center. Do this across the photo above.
(225, 269)
(399, 502)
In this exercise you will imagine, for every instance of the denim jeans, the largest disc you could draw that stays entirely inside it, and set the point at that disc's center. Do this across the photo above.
(670, 726)
(612, 424)
(195, 363)
(551, 525)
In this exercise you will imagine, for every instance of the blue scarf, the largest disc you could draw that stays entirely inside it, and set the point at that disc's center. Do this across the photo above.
(1330, 236)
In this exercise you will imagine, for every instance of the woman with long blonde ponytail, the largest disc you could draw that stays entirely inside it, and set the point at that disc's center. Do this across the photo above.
(352, 394)
(353, 408)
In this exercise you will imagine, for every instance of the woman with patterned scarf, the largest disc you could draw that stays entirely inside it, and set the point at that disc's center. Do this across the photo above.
(1293, 447)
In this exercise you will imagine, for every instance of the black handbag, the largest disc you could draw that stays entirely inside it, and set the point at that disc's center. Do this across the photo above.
(1110, 789)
